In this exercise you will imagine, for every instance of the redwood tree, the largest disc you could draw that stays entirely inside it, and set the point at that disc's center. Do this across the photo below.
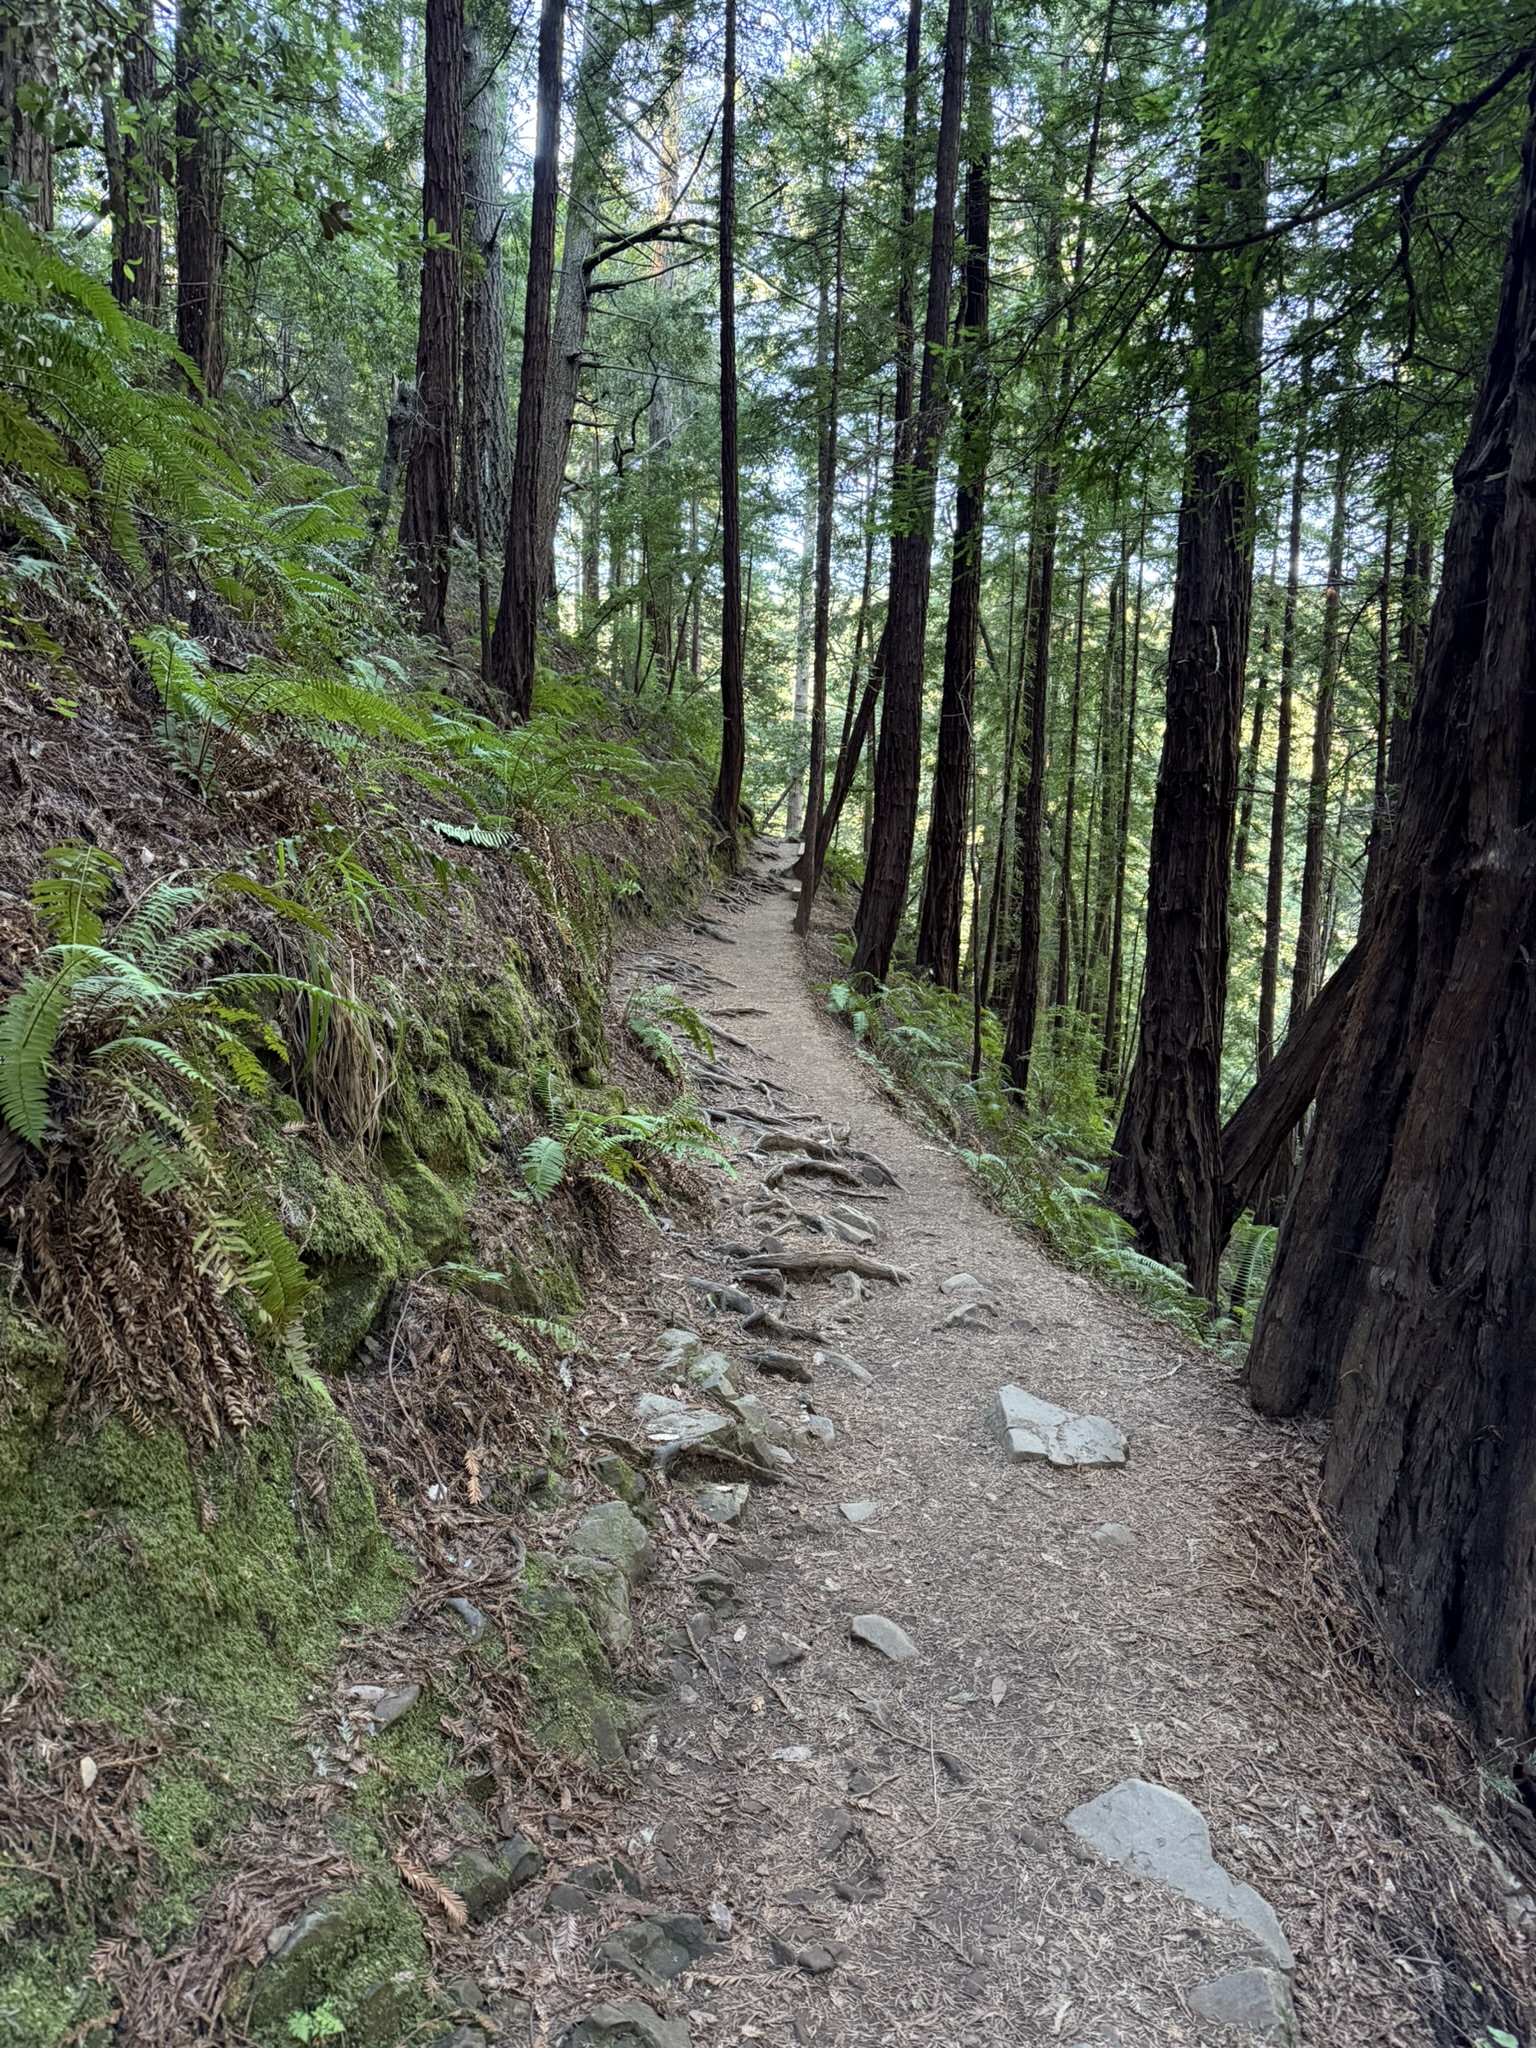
(201, 158)
(426, 525)
(515, 640)
(898, 758)
(733, 693)
(1165, 1171)
(1404, 1289)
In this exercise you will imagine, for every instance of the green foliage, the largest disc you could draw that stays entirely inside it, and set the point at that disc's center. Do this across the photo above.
(650, 1010)
(543, 1163)
(322, 2023)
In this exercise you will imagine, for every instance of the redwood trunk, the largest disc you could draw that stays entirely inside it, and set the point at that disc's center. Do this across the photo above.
(1280, 796)
(485, 466)
(201, 153)
(1404, 1289)
(943, 909)
(898, 760)
(1164, 1176)
(1310, 946)
(821, 630)
(136, 171)
(733, 695)
(514, 643)
(29, 72)
(426, 525)
(1029, 819)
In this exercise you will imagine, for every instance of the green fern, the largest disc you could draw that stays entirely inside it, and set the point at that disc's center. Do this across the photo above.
(69, 894)
(647, 1014)
(543, 1162)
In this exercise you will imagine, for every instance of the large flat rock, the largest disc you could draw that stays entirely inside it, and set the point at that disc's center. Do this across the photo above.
(1256, 2002)
(1158, 1834)
(1036, 1429)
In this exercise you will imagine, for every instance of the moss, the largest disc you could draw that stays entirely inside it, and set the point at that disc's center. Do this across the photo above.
(580, 1714)
(47, 1994)
(360, 1953)
(355, 1249)
(31, 1381)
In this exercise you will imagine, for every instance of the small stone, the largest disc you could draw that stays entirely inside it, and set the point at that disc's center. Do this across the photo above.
(678, 1345)
(846, 1364)
(594, 1877)
(844, 1212)
(1256, 2001)
(884, 1636)
(461, 2037)
(482, 1881)
(569, 1898)
(715, 1589)
(1114, 1536)
(730, 1299)
(522, 1860)
(818, 1429)
(626, 2024)
(470, 1615)
(860, 1510)
(721, 1502)
(782, 1656)
(672, 1427)
(816, 1960)
(1034, 1429)
(970, 1315)
(1158, 1834)
(782, 1365)
(612, 1533)
(797, 1753)
(960, 1283)
(394, 1706)
(620, 1477)
(466, 1993)
(655, 1950)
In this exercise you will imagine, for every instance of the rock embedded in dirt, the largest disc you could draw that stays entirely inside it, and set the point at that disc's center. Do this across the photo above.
(569, 1898)
(1158, 1834)
(857, 1511)
(1114, 1536)
(607, 1598)
(782, 1365)
(470, 1615)
(481, 1880)
(522, 1859)
(1257, 2002)
(883, 1635)
(614, 1534)
(816, 1429)
(655, 1950)
(729, 1299)
(721, 1503)
(960, 1283)
(672, 1427)
(971, 1315)
(625, 2024)
(1036, 1430)
(845, 1364)
(620, 1477)
(390, 1707)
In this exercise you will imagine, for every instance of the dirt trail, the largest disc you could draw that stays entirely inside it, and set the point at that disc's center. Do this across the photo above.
(907, 1820)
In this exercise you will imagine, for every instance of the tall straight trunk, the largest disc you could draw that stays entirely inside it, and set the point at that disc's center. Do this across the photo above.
(898, 761)
(1165, 1170)
(485, 462)
(29, 72)
(800, 703)
(1381, 809)
(591, 537)
(663, 510)
(1109, 745)
(136, 171)
(1256, 736)
(1404, 1289)
(1114, 1008)
(201, 155)
(603, 37)
(938, 931)
(733, 699)
(514, 644)
(1280, 797)
(906, 248)
(1306, 975)
(1061, 981)
(1029, 817)
(426, 524)
(846, 771)
(997, 899)
(821, 636)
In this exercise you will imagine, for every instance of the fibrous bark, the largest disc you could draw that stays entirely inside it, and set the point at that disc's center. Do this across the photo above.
(485, 463)
(1404, 1290)
(201, 153)
(733, 702)
(136, 171)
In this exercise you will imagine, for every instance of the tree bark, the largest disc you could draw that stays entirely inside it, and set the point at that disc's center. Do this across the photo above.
(485, 464)
(1256, 736)
(942, 914)
(733, 695)
(1404, 1289)
(1307, 971)
(1164, 1174)
(1061, 981)
(898, 760)
(1280, 796)
(426, 524)
(136, 172)
(1029, 815)
(201, 151)
(514, 644)
(29, 67)
(821, 633)
(1109, 1067)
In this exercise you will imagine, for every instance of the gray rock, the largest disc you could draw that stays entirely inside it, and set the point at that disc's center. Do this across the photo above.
(1036, 1429)
(481, 1880)
(620, 1477)
(1256, 2001)
(612, 1532)
(470, 1615)
(960, 1283)
(860, 1510)
(763, 1424)
(1158, 1834)
(846, 1364)
(522, 1860)
(721, 1503)
(313, 1931)
(461, 2037)
(884, 1636)
(394, 1706)
(782, 1365)
(626, 2024)
(466, 1993)
(607, 1598)
(569, 1898)
(1114, 1536)
(844, 1212)
(672, 1426)
(816, 1429)
(731, 1299)
(655, 1950)
(677, 1346)
(970, 1315)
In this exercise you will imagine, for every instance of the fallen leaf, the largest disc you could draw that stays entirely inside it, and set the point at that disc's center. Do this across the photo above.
(999, 1691)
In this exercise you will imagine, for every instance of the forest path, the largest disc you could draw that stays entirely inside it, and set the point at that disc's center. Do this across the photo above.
(1055, 1659)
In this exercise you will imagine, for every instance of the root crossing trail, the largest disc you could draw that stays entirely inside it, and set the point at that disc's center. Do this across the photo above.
(891, 1838)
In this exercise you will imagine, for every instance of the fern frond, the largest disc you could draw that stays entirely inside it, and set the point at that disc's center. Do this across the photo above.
(29, 1029)
(76, 881)
(543, 1163)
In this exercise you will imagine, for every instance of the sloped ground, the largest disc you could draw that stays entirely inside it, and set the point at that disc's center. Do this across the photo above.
(904, 1823)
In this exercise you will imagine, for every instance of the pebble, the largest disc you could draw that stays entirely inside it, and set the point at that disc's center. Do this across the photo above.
(960, 1283)
(845, 1364)
(470, 1615)
(860, 1510)
(393, 1706)
(1257, 2001)
(1159, 1834)
(1114, 1536)
(816, 1429)
(883, 1635)
(781, 1365)
(1034, 1429)
(721, 1501)
(970, 1315)
(626, 2024)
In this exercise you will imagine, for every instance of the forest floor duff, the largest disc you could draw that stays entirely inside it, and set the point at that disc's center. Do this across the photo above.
(900, 1827)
